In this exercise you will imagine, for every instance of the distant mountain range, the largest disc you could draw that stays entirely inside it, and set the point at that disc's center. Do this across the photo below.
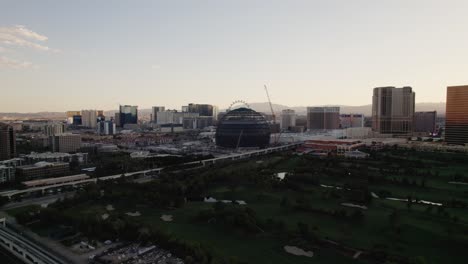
(361, 109)
(259, 107)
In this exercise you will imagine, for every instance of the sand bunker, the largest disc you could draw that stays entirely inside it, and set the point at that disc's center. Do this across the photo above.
(298, 251)
(281, 175)
(137, 213)
(213, 200)
(104, 216)
(167, 218)
(210, 200)
(109, 207)
(355, 205)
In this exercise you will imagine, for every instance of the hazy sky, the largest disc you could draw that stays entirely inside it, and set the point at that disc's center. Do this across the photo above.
(72, 55)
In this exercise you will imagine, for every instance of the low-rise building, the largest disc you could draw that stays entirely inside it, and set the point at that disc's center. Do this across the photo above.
(7, 174)
(356, 154)
(425, 122)
(65, 143)
(198, 122)
(13, 162)
(338, 147)
(171, 128)
(358, 132)
(58, 180)
(297, 129)
(42, 169)
(351, 120)
(81, 158)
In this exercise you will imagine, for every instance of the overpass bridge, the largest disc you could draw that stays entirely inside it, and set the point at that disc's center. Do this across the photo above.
(234, 156)
(58, 184)
(245, 155)
(26, 250)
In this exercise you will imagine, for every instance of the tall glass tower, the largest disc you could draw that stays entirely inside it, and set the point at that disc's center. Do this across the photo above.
(128, 114)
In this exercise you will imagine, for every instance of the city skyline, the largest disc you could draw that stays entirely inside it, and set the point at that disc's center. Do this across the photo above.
(155, 53)
(248, 131)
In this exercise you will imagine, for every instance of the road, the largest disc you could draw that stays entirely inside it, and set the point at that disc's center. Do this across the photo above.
(9, 258)
(32, 248)
(47, 199)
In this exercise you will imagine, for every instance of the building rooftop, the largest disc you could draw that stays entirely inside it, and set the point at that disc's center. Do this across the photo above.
(56, 180)
(42, 164)
(44, 155)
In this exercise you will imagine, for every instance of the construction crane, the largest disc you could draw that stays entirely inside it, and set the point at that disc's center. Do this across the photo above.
(276, 137)
(239, 140)
(271, 106)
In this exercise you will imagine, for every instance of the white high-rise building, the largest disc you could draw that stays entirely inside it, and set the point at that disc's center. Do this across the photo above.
(89, 118)
(54, 129)
(288, 118)
(393, 110)
(154, 113)
(323, 118)
(106, 128)
(173, 117)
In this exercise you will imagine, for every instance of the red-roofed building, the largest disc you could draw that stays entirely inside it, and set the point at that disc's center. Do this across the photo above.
(337, 146)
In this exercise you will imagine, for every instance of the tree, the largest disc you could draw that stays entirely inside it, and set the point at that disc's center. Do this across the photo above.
(418, 260)
(303, 228)
(118, 225)
(423, 182)
(285, 203)
(429, 209)
(3, 200)
(393, 219)
(74, 165)
(357, 216)
(409, 202)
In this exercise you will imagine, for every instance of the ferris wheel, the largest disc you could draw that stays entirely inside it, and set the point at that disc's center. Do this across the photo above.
(237, 104)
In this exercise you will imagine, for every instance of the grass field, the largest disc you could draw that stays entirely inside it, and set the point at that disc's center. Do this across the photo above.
(436, 235)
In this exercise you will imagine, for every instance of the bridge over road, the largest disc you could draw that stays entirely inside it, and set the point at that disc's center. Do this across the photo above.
(26, 250)
(57, 184)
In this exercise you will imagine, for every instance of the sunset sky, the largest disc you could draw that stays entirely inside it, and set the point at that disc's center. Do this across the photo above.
(73, 55)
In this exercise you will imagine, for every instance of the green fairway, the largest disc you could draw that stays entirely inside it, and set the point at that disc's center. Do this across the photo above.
(299, 210)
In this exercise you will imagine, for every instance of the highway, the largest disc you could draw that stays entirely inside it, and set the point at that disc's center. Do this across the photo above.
(9, 258)
(48, 199)
(104, 178)
(31, 248)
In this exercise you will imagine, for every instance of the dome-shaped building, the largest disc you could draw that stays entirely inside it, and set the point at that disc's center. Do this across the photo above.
(243, 127)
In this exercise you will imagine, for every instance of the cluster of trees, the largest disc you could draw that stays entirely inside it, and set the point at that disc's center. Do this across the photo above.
(404, 181)
(3, 200)
(304, 205)
(122, 228)
(238, 217)
(26, 216)
(158, 194)
(459, 177)
(297, 181)
(454, 203)
(27, 146)
(120, 162)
